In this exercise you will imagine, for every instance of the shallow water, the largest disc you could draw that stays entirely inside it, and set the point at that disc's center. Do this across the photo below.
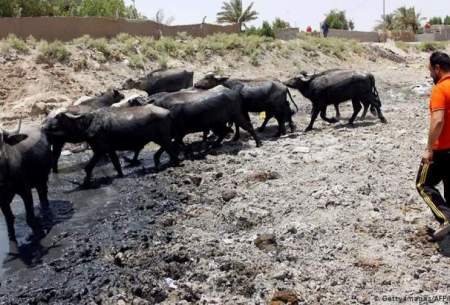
(71, 209)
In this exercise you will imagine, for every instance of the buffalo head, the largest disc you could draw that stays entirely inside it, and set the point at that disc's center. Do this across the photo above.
(210, 81)
(66, 124)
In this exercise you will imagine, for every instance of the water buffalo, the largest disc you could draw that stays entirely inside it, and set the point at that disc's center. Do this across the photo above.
(105, 100)
(336, 105)
(203, 110)
(325, 89)
(258, 96)
(161, 81)
(109, 130)
(25, 163)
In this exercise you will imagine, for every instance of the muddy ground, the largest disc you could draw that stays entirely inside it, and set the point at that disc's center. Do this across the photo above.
(327, 217)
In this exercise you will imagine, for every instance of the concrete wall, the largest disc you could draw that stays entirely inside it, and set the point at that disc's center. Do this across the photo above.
(68, 28)
(357, 35)
(287, 34)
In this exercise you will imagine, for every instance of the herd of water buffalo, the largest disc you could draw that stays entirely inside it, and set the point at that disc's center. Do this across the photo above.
(174, 108)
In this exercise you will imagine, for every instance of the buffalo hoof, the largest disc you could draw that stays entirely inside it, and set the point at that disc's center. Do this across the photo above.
(259, 144)
(383, 120)
(86, 184)
(308, 129)
(134, 163)
(12, 238)
(333, 121)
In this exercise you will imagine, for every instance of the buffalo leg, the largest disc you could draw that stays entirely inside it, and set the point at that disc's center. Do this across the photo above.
(32, 221)
(247, 126)
(356, 109)
(281, 127)
(323, 115)
(366, 108)
(237, 133)
(314, 114)
(115, 161)
(338, 113)
(56, 154)
(9, 218)
(90, 167)
(266, 120)
(42, 190)
(169, 147)
(376, 105)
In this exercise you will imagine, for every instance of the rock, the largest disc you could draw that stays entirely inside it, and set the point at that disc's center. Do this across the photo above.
(284, 298)
(43, 103)
(229, 195)
(266, 242)
(263, 176)
(121, 302)
(66, 153)
(139, 301)
(118, 259)
(196, 180)
(301, 150)
(170, 283)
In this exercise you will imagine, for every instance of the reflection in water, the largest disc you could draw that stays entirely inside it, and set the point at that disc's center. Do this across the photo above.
(29, 250)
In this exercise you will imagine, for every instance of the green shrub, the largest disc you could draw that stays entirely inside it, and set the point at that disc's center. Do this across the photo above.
(432, 46)
(12, 42)
(163, 61)
(136, 61)
(53, 52)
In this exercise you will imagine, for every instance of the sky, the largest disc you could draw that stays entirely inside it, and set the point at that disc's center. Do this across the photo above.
(300, 13)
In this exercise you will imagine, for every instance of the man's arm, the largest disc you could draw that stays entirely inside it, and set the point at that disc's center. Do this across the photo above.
(436, 126)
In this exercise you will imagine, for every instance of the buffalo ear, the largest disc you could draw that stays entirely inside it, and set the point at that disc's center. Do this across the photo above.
(14, 139)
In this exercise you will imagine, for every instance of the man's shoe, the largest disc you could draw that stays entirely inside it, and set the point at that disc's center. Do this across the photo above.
(443, 230)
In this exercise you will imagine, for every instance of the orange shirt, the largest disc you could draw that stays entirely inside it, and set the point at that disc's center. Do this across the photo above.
(440, 100)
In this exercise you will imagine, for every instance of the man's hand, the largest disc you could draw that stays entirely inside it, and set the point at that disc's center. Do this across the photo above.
(427, 157)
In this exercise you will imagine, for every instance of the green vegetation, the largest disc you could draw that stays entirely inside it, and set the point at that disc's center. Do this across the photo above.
(439, 20)
(338, 20)
(403, 19)
(267, 29)
(53, 52)
(138, 52)
(106, 8)
(432, 46)
(234, 12)
(12, 42)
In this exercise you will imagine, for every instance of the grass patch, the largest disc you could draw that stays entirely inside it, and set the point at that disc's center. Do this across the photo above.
(136, 61)
(12, 42)
(432, 46)
(53, 52)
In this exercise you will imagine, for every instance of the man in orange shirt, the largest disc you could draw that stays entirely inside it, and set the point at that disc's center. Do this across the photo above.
(435, 166)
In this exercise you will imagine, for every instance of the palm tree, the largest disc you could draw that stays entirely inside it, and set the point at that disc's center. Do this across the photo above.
(386, 22)
(233, 12)
(407, 19)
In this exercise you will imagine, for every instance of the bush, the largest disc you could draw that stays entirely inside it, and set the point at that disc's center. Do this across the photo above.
(53, 52)
(12, 42)
(136, 61)
(432, 46)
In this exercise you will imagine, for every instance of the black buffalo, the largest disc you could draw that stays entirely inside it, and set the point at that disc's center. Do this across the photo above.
(335, 87)
(25, 163)
(162, 81)
(107, 99)
(110, 130)
(258, 96)
(203, 110)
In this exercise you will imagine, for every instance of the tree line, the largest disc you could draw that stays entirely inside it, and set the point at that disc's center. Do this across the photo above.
(34, 8)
